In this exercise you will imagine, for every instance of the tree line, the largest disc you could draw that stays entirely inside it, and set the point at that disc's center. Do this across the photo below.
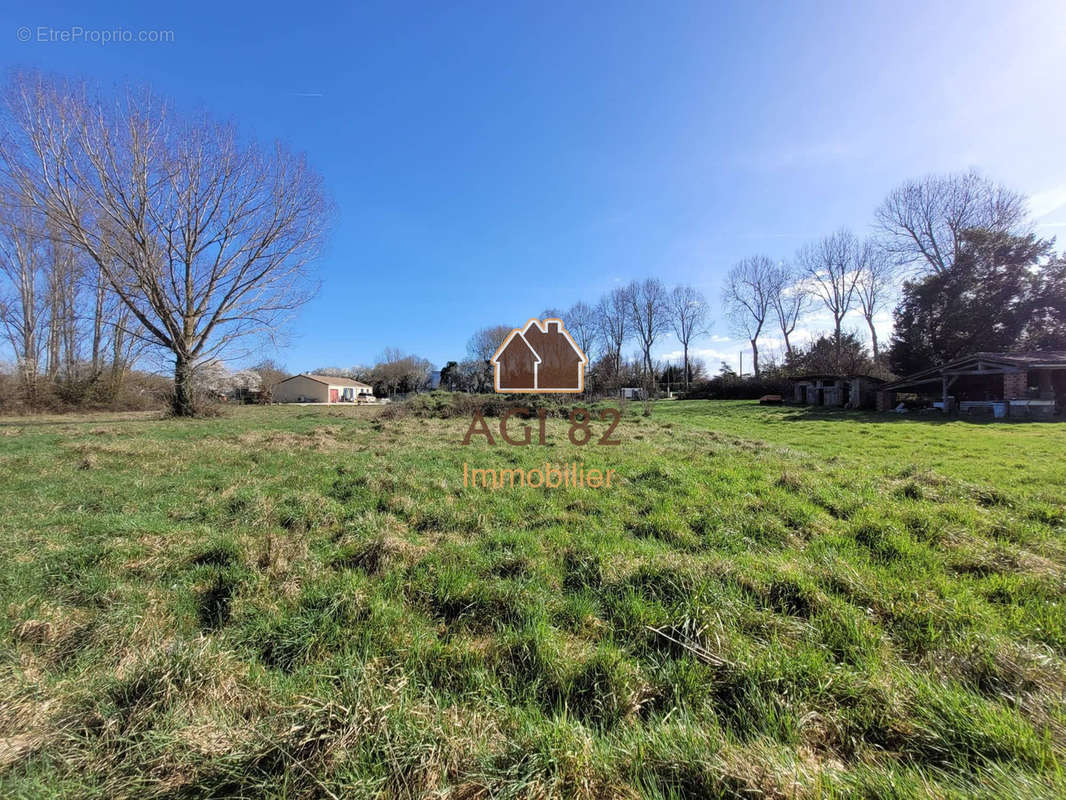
(950, 252)
(641, 313)
(70, 336)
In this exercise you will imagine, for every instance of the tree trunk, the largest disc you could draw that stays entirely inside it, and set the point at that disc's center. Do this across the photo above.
(181, 403)
(873, 336)
(754, 357)
(98, 325)
(52, 345)
(28, 368)
(28, 362)
(118, 363)
(686, 367)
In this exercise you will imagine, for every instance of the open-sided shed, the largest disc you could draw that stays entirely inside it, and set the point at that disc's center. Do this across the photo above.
(1029, 384)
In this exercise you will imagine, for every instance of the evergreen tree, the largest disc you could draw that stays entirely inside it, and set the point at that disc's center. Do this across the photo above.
(1003, 293)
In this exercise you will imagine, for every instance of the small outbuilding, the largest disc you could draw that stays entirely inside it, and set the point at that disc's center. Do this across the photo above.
(1020, 385)
(836, 391)
(307, 388)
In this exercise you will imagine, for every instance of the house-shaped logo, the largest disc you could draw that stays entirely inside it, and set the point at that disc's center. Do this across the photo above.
(540, 357)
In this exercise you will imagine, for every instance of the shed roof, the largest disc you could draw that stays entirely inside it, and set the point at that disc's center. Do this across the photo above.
(990, 363)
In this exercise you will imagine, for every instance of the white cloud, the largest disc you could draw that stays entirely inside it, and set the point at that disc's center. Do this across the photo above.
(1043, 203)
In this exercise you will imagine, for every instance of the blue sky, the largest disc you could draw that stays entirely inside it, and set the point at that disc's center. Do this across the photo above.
(490, 160)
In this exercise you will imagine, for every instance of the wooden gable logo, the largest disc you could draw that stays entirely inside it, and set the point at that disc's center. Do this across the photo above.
(539, 357)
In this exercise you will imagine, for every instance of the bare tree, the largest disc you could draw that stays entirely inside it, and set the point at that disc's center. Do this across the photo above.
(747, 297)
(64, 274)
(789, 299)
(477, 370)
(23, 313)
(923, 220)
(270, 372)
(688, 318)
(485, 341)
(205, 237)
(831, 267)
(99, 296)
(876, 280)
(649, 314)
(612, 320)
(57, 304)
(580, 321)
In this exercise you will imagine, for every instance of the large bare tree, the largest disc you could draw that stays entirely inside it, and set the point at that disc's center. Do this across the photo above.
(875, 285)
(789, 300)
(612, 321)
(688, 318)
(748, 297)
(923, 220)
(204, 236)
(831, 268)
(649, 314)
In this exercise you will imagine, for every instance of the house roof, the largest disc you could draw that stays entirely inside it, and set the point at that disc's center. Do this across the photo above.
(992, 363)
(330, 380)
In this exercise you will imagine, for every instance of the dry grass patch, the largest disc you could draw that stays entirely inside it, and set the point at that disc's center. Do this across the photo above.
(319, 439)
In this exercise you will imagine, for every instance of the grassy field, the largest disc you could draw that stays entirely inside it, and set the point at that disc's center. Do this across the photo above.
(307, 602)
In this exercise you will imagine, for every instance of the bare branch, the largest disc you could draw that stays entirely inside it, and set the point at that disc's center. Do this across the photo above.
(923, 220)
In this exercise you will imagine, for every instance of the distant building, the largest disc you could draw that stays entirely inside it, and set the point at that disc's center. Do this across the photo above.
(321, 389)
(838, 391)
(1026, 385)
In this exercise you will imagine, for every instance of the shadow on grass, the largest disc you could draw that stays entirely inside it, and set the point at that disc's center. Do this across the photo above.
(214, 606)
